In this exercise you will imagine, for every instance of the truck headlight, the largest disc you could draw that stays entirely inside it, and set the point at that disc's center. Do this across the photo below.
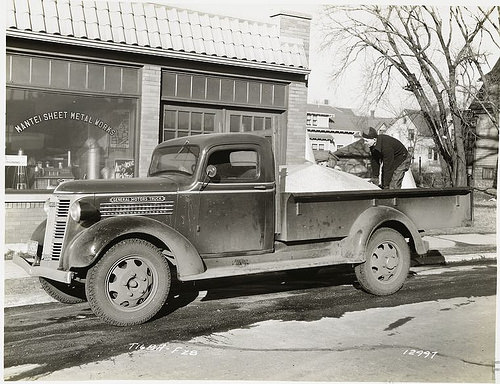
(81, 211)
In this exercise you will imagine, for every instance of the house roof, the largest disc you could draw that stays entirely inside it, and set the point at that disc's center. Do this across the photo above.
(375, 122)
(344, 119)
(325, 109)
(323, 135)
(155, 29)
(494, 74)
(417, 118)
(493, 79)
(345, 122)
(356, 150)
(321, 155)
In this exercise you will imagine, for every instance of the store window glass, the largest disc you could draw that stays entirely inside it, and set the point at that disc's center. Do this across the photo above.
(78, 75)
(62, 136)
(59, 74)
(199, 85)
(40, 72)
(71, 75)
(254, 93)
(20, 69)
(250, 122)
(183, 121)
(267, 94)
(96, 77)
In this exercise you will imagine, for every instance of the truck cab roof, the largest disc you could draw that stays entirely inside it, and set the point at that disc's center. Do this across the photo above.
(211, 139)
(245, 141)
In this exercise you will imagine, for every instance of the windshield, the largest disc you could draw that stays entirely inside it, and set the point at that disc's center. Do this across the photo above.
(180, 159)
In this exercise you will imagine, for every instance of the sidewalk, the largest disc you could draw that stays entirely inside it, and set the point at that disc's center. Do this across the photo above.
(21, 289)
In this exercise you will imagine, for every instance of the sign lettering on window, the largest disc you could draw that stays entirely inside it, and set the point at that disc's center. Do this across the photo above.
(64, 115)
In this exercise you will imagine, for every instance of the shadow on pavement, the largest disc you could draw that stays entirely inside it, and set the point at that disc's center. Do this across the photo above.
(185, 293)
(433, 257)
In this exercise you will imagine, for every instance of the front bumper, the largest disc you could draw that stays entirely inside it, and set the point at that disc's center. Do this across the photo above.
(37, 270)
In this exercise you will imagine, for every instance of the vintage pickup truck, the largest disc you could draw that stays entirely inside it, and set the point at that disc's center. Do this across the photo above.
(213, 206)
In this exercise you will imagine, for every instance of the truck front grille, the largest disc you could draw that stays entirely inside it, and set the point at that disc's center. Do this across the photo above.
(57, 221)
(59, 229)
(61, 220)
(149, 208)
(63, 208)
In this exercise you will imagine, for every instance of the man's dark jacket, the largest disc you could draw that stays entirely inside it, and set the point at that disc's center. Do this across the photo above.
(389, 152)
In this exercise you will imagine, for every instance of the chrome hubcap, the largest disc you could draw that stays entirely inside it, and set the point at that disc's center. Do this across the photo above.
(385, 261)
(130, 283)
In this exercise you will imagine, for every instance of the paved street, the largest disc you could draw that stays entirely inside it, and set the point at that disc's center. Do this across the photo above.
(439, 327)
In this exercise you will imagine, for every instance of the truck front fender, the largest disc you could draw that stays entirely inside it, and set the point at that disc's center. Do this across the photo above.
(374, 218)
(91, 243)
(38, 235)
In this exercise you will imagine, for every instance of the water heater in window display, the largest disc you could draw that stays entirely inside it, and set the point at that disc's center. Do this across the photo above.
(93, 159)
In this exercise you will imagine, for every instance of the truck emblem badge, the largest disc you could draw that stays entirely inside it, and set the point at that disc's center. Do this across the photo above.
(136, 199)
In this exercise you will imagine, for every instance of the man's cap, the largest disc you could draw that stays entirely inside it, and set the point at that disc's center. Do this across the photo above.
(371, 134)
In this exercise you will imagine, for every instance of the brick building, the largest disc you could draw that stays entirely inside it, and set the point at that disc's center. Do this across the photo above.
(93, 86)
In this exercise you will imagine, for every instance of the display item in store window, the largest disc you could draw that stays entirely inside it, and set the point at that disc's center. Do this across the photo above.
(93, 158)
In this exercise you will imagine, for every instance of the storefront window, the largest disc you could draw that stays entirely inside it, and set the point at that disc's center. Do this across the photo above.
(185, 86)
(66, 136)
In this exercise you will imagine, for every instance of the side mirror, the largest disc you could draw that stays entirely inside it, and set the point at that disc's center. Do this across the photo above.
(211, 171)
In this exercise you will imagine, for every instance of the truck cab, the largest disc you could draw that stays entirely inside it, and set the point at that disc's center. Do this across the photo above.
(233, 191)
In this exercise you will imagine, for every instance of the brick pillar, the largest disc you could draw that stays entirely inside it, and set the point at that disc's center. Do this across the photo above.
(150, 115)
(296, 123)
(295, 26)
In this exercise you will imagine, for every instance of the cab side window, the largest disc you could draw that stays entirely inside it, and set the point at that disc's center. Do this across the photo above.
(235, 165)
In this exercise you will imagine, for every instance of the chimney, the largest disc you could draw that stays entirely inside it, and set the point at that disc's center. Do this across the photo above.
(372, 113)
(295, 25)
(327, 102)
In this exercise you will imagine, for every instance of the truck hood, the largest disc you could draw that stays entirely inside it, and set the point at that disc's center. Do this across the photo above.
(133, 185)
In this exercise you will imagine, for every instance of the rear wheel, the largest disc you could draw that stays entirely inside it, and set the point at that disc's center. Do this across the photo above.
(73, 293)
(387, 263)
(129, 284)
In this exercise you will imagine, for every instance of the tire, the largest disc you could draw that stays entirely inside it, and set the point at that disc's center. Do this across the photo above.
(64, 293)
(387, 263)
(129, 284)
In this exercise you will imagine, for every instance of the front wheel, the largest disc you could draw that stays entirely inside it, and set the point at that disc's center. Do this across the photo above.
(129, 284)
(73, 293)
(387, 263)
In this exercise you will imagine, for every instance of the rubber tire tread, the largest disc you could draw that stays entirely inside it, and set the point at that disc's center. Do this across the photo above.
(94, 296)
(363, 270)
(64, 293)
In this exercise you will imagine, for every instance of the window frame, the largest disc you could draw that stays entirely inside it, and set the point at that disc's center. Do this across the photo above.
(272, 94)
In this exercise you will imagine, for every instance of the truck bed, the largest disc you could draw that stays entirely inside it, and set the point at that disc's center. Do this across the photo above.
(324, 215)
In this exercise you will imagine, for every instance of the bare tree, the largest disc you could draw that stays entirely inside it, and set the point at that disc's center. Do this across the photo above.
(437, 54)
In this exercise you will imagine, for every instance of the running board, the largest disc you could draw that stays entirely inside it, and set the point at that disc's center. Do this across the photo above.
(282, 260)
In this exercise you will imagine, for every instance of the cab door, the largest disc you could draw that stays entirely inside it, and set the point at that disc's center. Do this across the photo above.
(236, 211)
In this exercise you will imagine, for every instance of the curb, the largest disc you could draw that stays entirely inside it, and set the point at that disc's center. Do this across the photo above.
(454, 259)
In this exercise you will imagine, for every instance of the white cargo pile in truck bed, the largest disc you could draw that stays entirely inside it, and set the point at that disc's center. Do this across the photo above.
(310, 177)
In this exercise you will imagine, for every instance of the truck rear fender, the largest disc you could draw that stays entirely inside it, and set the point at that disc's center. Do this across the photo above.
(91, 244)
(378, 217)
